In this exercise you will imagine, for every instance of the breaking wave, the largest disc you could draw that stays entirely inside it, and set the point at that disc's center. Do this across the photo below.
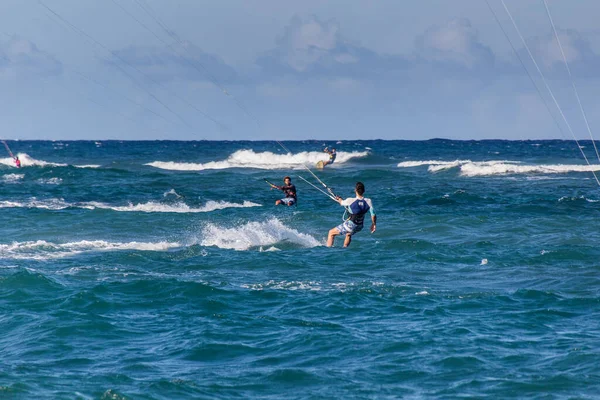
(151, 206)
(87, 166)
(28, 161)
(501, 167)
(262, 160)
(255, 235)
(43, 250)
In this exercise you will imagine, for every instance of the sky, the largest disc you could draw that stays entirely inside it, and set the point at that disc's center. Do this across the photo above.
(289, 70)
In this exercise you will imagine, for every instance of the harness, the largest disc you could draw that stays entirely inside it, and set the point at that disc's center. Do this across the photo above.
(358, 217)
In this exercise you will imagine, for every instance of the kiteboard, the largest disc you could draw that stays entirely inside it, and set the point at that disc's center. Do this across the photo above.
(320, 164)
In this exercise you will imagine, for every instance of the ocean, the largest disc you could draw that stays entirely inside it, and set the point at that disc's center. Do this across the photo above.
(163, 270)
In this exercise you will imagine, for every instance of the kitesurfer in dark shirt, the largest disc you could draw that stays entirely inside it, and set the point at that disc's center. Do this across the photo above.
(290, 192)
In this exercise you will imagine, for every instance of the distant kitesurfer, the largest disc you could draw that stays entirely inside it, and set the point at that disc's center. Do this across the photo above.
(332, 156)
(17, 162)
(289, 190)
(356, 207)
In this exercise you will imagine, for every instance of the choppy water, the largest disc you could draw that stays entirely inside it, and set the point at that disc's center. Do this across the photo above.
(162, 270)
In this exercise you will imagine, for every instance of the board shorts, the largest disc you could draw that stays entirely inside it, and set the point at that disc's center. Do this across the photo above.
(288, 201)
(348, 228)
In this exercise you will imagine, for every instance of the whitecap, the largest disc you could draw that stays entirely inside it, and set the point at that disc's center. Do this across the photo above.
(284, 285)
(262, 160)
(12, 178)
(181, 207)
(50, 181)
(498, 167)
(148, 207)
(254, 235)
(27, 161)
(173, 192)
(505, 168)
(51, 204)
(43, 250)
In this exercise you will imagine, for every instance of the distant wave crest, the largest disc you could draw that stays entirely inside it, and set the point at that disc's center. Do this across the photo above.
(261, 160)
(501, 167)
(43, 250)
(28, 161)
(151, 206)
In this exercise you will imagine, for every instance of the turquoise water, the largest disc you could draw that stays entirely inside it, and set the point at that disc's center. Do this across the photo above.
(163, 270)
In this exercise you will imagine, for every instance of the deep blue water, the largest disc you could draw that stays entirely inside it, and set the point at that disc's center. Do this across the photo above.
(163, 270)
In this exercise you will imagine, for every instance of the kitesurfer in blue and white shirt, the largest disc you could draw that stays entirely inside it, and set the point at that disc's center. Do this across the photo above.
(332, 155)
(357, 207)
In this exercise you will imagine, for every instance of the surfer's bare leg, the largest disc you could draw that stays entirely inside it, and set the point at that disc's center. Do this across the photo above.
(332, 234)
(347, 240)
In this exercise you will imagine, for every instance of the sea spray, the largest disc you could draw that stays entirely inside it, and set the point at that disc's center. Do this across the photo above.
(254, 235)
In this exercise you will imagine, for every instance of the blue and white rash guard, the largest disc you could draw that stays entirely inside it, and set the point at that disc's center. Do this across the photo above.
(357, 208)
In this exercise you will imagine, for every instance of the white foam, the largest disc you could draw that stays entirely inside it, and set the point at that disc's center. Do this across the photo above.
(567, 198)
(43, 250)
(317, 285)
(12, 178)
(50, 181)
(51, 204)
(152, 206)
(498, 167)
(284, 285)
(60, 204)
(263, 160)
(412, 164)
(173, 192)
(272, 248)
(504, 168)
(445, 166)
(27, 161)
(254, 234)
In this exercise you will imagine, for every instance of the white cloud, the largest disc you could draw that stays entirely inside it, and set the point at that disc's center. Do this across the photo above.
(306, 42)
(311, 33)
(577, 48)
(20, 57)
(455, 42)
(313, 47)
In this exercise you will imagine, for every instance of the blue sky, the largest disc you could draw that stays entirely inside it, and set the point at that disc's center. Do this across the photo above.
(187, 69)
